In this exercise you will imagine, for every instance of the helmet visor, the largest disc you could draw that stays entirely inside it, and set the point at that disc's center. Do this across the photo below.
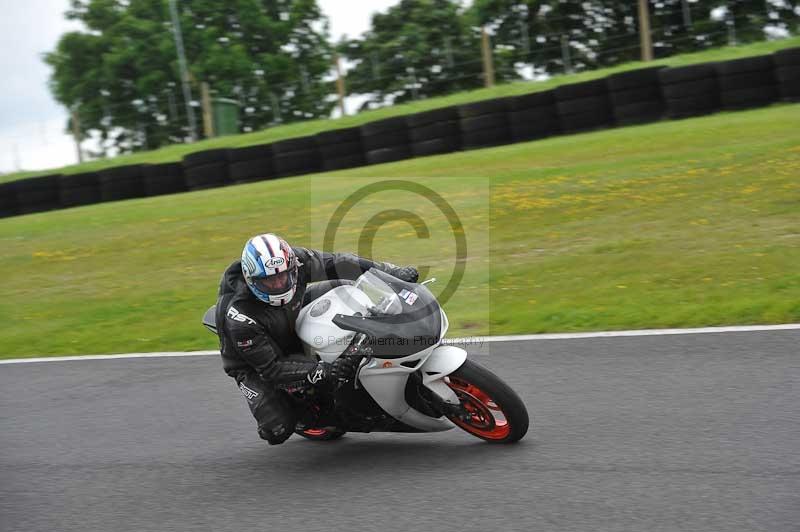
(276, 284)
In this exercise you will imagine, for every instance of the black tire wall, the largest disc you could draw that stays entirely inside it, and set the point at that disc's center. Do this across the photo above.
(166, 178)
(787, 73)
(206, 169)
(122, 182)
(635, 96)
(79, 189)
(37, 194)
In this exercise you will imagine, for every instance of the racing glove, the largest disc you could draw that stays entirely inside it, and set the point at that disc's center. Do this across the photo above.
(332, 376)
(408, 274)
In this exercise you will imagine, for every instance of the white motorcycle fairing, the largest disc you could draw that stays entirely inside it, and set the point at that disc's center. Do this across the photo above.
(384, 379)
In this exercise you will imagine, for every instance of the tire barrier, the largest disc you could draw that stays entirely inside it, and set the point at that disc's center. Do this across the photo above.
(340, 148)
(79, 189)
(690, 90)
(632, 97)
(8, 199)
(533, 116)
(434, 132)
(636, 96)
(295, 157)
(206, 169)
(251, 163)
(787, 73)
(385, 141)
(121, 182)
(484, 124)
(583, 106)
(166, 178)
(747, 82)
(37, 194)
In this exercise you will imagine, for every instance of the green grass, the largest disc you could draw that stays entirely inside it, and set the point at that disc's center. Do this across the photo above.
(679, 223)
(176, 152)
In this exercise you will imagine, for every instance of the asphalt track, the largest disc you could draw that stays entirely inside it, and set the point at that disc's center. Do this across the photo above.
(694, 432)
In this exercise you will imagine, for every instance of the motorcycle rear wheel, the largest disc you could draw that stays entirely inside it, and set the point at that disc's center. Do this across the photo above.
(496, 414)
(321, 434)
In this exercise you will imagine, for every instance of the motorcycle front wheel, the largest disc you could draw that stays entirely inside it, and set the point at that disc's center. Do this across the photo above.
(494, 412)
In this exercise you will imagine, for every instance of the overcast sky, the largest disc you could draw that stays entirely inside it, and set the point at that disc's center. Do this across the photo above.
(31, 122)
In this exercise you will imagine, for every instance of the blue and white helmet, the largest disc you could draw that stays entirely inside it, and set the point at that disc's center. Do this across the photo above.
(269, 266)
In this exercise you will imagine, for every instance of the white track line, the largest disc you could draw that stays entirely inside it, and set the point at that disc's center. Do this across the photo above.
(454, 341)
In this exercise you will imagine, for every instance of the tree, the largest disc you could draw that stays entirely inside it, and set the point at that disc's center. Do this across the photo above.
(122, 73)
(416, 49)
(605, 32)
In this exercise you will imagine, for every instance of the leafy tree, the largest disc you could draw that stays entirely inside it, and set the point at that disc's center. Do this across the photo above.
(605, 32)
(416, 49)
(122, 72)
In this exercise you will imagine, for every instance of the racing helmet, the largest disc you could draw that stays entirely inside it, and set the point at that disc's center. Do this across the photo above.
(269, 266)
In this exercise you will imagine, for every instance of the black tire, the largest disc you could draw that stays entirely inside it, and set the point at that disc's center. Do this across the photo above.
(692, 106)
(384, 139)
(205, 157)
(484, 107)
(249, 153)
(431, 117)
(585, 89)
(388, 155)
(790, 90)
(296, 163)
(436, 146)
(590, 104)
(434, 131)
(639, 112)
(533, 100)
(670, 76)
(207, 176)
(253, 170)
(697, 87)
(485, 138)
(79, 189)
(633, 79)
(334, 151)
(8, 200)
(787, 57)
(37, 194)
(501, 395)
(341, 163)
(588, 121)
(397, 123)
(338, 136)
(534, 123)
(788, 73)
(299, 144)
(639, 94)
(479, 123)
(321, 434)
(759, 63)
(747, 98)
(160, 179)
(746, 80)
(121, 182)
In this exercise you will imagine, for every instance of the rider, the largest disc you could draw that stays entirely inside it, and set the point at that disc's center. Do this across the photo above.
(260, 297)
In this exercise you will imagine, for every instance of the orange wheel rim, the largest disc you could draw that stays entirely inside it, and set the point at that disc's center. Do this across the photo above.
(486, 418)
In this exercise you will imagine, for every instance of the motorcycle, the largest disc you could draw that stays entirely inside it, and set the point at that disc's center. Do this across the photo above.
(407, 379)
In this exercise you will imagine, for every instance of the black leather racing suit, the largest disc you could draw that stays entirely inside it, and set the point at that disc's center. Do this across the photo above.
(258, 343)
